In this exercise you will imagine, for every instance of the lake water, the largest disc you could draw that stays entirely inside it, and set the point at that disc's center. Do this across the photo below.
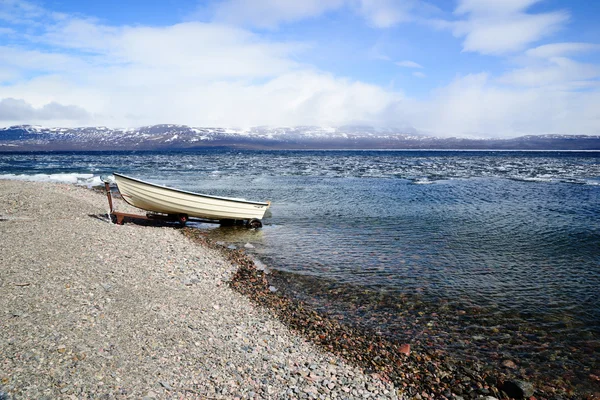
(488, 255)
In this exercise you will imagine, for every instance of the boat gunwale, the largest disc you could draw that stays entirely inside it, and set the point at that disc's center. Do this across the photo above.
(191, 193)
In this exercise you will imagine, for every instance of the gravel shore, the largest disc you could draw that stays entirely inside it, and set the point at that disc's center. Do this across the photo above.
(90, 309)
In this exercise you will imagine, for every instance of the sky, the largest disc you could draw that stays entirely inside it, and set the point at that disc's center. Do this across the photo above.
(466, 68)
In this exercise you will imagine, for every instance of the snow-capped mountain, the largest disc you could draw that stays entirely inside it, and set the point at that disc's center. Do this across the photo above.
(160, 137)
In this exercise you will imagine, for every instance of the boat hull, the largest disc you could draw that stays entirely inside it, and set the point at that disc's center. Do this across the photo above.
(160, 199)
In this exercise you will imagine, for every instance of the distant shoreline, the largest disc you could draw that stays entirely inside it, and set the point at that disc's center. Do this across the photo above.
(167, 137)
(189, 150)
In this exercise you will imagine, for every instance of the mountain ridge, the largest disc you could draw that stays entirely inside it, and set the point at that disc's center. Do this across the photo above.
(180, 137)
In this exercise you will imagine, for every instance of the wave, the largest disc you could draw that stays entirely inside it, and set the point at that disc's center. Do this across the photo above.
(575, 181)
(88, 180)
(423, 181)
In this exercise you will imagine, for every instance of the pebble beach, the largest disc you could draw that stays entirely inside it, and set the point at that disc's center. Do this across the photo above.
(90, 309)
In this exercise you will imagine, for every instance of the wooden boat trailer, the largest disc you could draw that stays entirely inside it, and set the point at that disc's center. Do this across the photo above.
(119, 217)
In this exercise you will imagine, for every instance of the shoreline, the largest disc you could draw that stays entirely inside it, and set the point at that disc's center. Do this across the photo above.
(373, 364)
(417, 373)
(92, 309)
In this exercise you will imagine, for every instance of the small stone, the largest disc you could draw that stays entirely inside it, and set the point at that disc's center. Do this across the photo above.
(249, 246)
(165, 385)
(509, 364)
(404, 349)
(518, 389)
(260, 266)
(310, 389)
(272, 289)
(106, 286)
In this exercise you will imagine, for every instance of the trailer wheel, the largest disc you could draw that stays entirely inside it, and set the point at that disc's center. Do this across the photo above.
(183, 219)
(255, 223)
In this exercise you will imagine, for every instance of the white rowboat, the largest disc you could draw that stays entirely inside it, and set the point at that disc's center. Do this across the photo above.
(183, 204)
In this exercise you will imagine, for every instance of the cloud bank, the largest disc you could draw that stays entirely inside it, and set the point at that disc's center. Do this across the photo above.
(19, 110)
(78, 71)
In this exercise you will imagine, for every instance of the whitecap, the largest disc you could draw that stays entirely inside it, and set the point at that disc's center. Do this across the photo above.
(73, 178)
(423, 181)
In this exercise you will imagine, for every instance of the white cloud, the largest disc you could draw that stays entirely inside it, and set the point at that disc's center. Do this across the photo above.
(311, 98)
(191, 73)
(389, 13)
(17, 11)
(36, 60)
(81, 34)
(500, 27)
(385, 13)
(559, 71)
(547, 66)
(271, 13)
(408, 64)
(474, 105)
(561, 49)
(493, 7)
(419, 74)
(193, 50)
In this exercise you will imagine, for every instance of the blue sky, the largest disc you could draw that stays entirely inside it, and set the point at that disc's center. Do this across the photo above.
(473, 68)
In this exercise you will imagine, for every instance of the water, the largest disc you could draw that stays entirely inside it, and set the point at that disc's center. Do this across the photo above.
(488, 255)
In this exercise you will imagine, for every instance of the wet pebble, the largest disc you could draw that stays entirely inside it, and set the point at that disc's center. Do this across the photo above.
(518, 389)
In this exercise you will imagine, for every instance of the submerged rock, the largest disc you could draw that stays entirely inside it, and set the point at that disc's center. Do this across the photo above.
(404, 349)
(518, 389)
(509, 364)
